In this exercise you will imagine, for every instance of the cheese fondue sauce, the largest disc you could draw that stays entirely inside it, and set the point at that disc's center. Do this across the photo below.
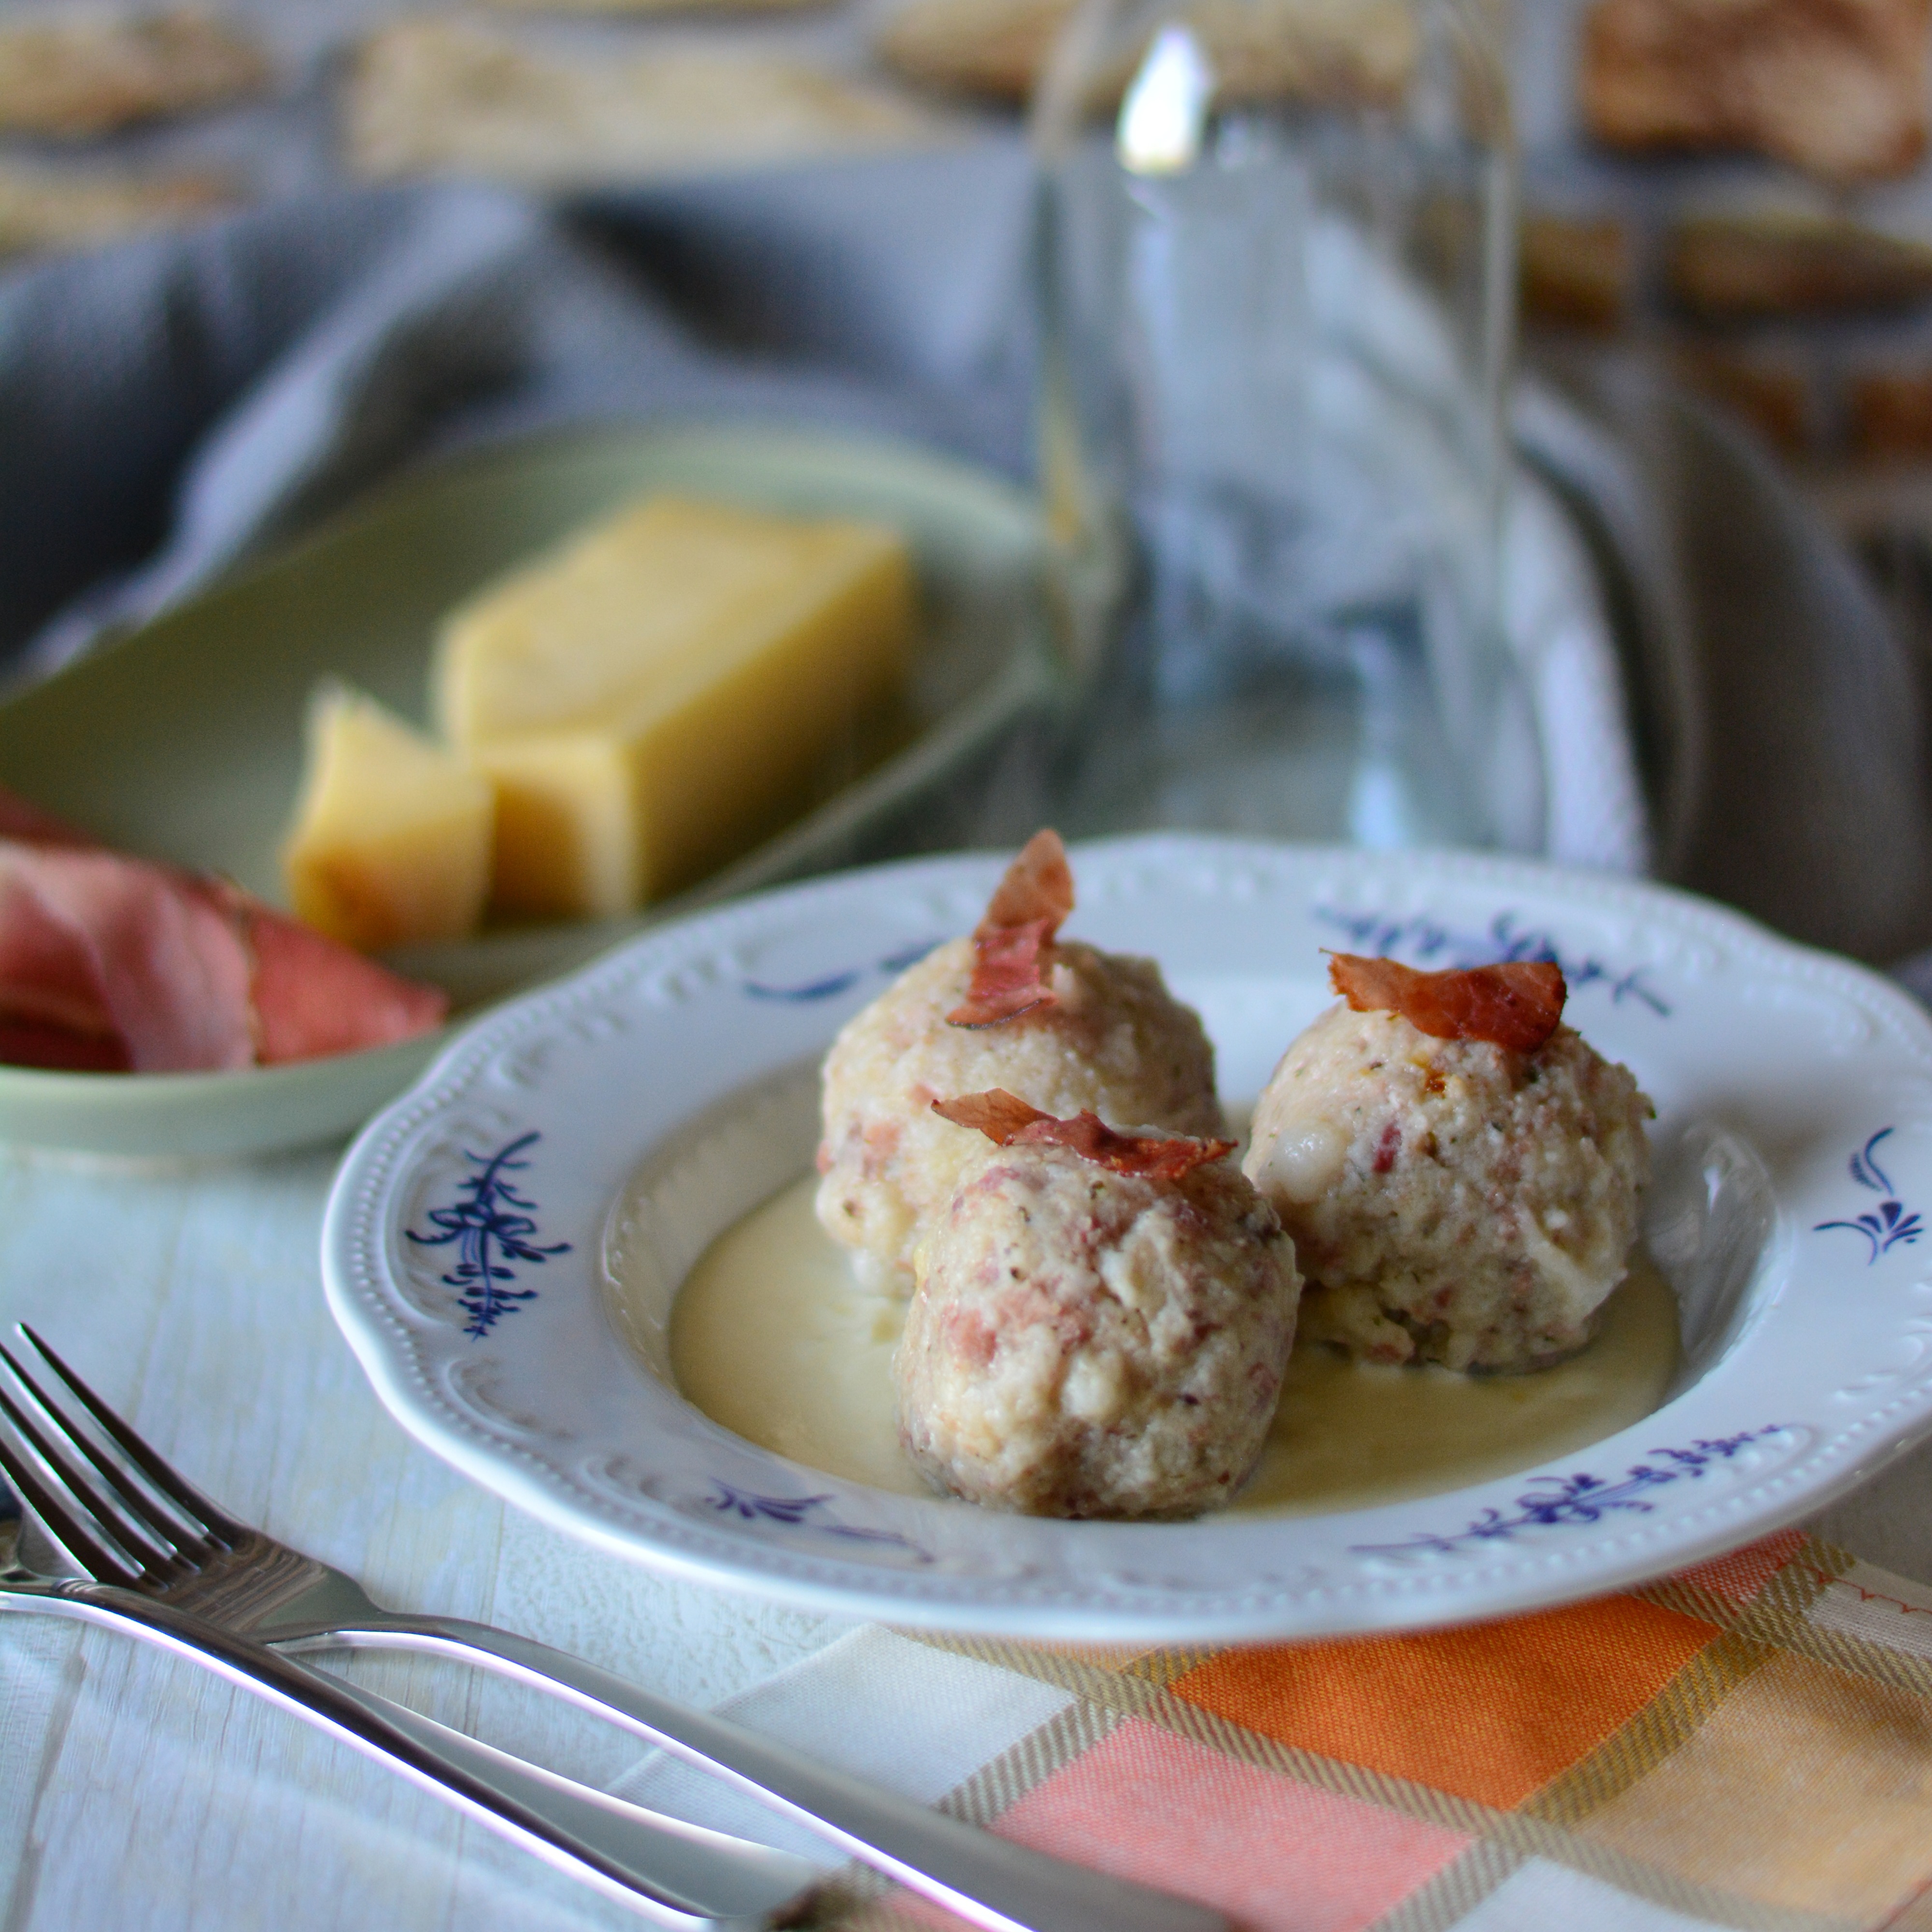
(772, 1337)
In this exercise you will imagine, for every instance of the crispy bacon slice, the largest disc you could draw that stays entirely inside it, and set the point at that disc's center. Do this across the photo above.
(1006, 1120)
(1014, 934)
(1039, 884)
(1517, 1003)
(1001, 1116)
(111, 964)
(1008, 979)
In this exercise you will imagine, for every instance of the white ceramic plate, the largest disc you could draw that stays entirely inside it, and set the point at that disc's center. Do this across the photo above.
(1794, 1140)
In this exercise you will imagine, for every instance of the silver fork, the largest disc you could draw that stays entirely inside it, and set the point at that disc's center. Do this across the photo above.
(181, 1552)
(680, 1877)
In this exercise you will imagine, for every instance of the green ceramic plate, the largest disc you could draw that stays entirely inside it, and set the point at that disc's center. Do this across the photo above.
(183, 741)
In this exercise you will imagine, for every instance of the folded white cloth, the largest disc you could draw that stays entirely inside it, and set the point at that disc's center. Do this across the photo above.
(1594, 811)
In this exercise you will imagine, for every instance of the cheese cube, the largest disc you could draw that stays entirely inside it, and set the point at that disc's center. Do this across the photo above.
(660, 695)
(391, 840)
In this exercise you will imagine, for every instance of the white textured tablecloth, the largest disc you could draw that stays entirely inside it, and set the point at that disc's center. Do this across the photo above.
(140, 1792)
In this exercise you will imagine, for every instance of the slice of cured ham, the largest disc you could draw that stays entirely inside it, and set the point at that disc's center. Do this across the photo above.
(1013, 938)
(112, 964)
(1006, 1120)
(21, 818)
(1518, 1003)
(97, 944)
(313, 998)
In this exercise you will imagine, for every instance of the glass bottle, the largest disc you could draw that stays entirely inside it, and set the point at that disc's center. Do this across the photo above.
(1276, 260)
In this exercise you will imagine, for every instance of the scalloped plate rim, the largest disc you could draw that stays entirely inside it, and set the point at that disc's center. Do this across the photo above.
(1622, 1553)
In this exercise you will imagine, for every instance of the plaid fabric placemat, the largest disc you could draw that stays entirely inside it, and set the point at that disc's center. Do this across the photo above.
(1747, 1744)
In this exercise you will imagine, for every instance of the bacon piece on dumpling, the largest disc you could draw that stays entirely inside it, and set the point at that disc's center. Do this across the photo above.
(1001, 1116)
(1012, 938)
(1039, 884)
(1007, 1120)
(1517, 1003)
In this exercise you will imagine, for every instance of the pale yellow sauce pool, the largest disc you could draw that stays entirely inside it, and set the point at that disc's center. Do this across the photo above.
(772, 1337)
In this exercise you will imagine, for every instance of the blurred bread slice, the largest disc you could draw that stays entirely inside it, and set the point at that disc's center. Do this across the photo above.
(1576, 271)
(991, 48)
(1731, 267)
(49, 207)
(76, 73)
(606, 9)
(1356, 52)
(434, 98)
(1888, 414)
(1770, 387)
(1835, 87)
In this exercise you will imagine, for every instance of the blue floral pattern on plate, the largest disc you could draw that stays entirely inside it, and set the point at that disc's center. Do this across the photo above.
(833, 984)
(1553, 1502)
(798, 1513)
(1440, 946)
(1887, 1226)
(491, 1225)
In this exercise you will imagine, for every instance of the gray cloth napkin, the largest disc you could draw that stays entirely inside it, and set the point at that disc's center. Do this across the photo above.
(167, 407)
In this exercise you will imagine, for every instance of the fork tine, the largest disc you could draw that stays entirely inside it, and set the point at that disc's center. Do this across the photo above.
(126, 1538)
(61, 1523)
(177, 1489)
(130, 1508)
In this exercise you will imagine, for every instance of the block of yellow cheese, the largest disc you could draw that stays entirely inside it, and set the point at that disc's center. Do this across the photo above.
(391, 839)
(657, 697)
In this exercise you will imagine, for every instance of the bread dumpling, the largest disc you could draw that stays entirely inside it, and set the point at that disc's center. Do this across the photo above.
(1101, 1322)
(1064, 1026)
(1453, 1197)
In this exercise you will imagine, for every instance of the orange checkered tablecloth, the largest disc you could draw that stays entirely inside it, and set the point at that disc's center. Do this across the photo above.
(1747, 1744)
